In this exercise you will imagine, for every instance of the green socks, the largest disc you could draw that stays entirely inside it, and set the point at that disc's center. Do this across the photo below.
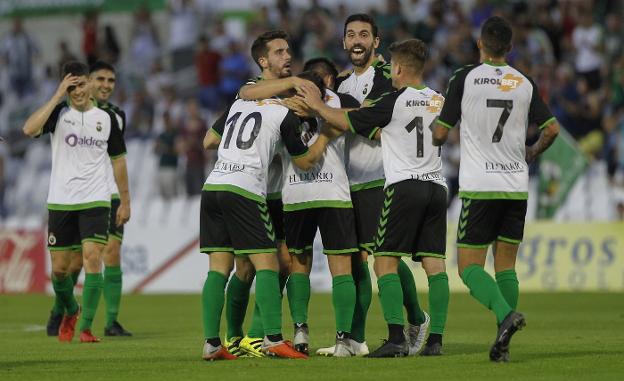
(363, 296)
(212, 303)
(415, 315)
(112, 292)
(90, 299)
(255, 329)
(269, 301)
(237, 297)
(58, 308)
(343, 297)
(298, 287)
(64, 295)
(75, 276)
(391, 295)
(438, 301)
(485, 290)
(508, 284)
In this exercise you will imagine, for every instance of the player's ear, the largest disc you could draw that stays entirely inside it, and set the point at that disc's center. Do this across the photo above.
(344, 45)
(263, 62)
(376, 42)
(479, 44)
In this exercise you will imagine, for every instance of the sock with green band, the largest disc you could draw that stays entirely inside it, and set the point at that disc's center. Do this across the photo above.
(343, 298)
(74, 277)
(236, 299)
(415, 314)
(483, 288)
(391, 295)
(255, 329)
(507, 281)
(438, 301)
(269, 301)
(363, 297)
(298, 288)
(64, 299)
(112, 292)
(91, 293)
(212, 303)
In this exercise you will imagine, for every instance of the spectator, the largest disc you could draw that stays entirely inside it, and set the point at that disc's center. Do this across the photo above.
(66, 55)
(587, 41)
(234, 71)
(165, 148)
(111, 50)
(145, 45)
(183, 33)
(89, 37)
(207, 63)
(191, 145)
(167, 102)
(18, 50)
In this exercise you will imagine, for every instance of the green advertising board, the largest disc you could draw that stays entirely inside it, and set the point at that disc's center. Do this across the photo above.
(32, 8)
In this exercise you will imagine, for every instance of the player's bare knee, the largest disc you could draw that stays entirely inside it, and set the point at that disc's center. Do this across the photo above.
(112, 253)
(433, 265)
(244, 270)
(265, 261)
(386, 265)
(339, 264)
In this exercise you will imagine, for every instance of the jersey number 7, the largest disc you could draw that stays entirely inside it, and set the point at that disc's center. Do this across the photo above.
(231, 124)
(507, 106)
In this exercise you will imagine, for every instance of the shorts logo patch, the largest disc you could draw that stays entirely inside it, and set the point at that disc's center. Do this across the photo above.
(51, 239)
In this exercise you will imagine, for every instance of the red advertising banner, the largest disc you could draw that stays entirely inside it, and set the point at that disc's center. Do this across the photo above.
(22, 261)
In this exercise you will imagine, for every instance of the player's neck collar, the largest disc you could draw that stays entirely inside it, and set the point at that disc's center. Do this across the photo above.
(492, 63)
(422, 86)
(92, 103)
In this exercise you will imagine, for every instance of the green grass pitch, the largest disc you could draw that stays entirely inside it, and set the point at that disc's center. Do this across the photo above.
(568, 337)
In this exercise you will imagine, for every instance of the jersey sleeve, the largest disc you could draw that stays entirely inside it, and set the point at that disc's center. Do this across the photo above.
(451, 111)
(116, 144)
(348, 101)
(539, 113)
(121, 118)
(382, 82)
(290, 131)
(50, 124)
(219, 125)
(367, 120)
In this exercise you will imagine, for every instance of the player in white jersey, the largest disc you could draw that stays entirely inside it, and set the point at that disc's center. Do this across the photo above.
(83, 138)
(235, 219)
(102, 84)
(494, 104)
(413, 219)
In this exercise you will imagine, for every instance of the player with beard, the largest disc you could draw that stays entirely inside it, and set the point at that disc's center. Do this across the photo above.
(367, 82)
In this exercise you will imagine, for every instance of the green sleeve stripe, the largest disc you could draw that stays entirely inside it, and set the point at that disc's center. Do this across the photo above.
(349, 121)
(442, 123)
(371, 136)
(546, 123)
(301, 154)
(113, 157)
(215, 132)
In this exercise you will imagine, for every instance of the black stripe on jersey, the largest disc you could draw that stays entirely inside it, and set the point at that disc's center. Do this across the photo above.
(116, 143)
(451, 111)
(539, 113)
(290, 131)
(114, 108)
(347, 101)
(367, 120)
(382, 80)
(50, 125)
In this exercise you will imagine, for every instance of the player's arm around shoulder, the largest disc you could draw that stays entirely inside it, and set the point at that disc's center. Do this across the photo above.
(268, 88)
(45, 115)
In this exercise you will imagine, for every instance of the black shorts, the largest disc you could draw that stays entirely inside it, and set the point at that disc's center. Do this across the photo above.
(114, 231)
(232, 223)
(276, 210)
(68, 229)
(336, 225)
(367, 208)
(413, 220)
(482, 222)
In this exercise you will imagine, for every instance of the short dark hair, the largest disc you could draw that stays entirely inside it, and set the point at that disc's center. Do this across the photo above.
(321, 65)
(74, 68)
(101, 65)
(363, 17)
(315, 78)
(496, 35)
(412, 52)
(259, 47)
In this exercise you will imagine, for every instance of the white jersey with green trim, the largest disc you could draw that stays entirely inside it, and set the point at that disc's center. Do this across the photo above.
(406, 117)
(494, 105)
(82, 144)
(324, 185)
(364, 158)
(252, 132)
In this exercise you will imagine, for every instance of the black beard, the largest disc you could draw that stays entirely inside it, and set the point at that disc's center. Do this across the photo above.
(360, 61)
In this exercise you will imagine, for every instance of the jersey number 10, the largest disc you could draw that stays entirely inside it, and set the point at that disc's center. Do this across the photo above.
(231, 124)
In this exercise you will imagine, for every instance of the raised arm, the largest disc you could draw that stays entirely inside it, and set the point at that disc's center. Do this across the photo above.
(37, 120)
(268, 88)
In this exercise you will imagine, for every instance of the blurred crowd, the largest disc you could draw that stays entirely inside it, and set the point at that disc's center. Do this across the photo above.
(574, 50)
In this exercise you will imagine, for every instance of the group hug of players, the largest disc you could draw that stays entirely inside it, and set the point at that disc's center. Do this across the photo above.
(357, 156)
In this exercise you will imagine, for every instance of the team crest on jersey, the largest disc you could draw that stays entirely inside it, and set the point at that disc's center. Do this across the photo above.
(98, 126)
(266, 102)
(435, 104)
(509, 82)
(498, 72)
(365, 91)
(51, 239)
